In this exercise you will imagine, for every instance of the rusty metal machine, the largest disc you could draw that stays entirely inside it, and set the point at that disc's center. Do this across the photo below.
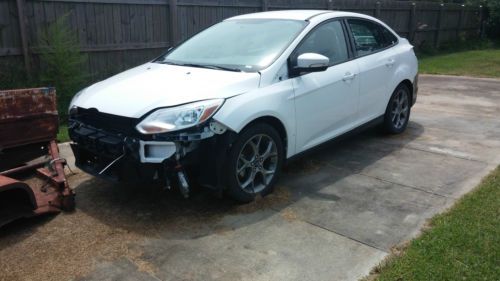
(32, 179)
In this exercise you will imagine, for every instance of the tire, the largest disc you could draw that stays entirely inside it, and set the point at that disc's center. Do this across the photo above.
(248, 172)
(397, 113)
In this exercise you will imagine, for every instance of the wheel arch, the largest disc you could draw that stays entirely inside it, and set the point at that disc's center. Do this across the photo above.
(275, 123)
(409, 84)
(404, 81)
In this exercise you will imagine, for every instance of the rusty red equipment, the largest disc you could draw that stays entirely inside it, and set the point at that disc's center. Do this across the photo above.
(32, 179)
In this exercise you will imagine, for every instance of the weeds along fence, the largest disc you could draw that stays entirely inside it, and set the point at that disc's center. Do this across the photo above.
(118, 34)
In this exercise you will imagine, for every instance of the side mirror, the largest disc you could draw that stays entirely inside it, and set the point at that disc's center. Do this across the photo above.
(311, 62)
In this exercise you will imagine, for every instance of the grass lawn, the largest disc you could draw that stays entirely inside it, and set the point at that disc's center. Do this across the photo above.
(63, 136)
(477, 63)
(461, 244)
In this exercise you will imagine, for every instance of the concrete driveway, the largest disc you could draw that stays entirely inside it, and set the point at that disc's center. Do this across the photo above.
(336, 213)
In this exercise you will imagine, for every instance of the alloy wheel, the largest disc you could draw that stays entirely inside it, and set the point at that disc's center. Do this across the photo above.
(400, 109)
(257, 163)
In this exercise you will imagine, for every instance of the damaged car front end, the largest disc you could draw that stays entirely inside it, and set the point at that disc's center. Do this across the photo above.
(160, 147)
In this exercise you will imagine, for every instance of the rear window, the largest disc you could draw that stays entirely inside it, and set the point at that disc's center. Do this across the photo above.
(370, 37)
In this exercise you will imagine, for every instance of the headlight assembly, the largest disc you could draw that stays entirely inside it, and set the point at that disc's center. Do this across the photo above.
(179, 117)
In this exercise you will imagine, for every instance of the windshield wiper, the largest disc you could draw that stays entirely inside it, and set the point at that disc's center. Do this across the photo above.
(209, 66)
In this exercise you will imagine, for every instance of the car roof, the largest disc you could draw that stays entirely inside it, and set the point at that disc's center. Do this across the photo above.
(286, 14)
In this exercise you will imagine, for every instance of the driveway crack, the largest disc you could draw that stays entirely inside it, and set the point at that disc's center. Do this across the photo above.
(407, 186)
(337, 233)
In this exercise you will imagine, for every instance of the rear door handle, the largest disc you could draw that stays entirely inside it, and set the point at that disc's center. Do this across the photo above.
(390, 62)
(348, 76)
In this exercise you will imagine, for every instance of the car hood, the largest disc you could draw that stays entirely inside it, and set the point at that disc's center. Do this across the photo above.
(139, 90)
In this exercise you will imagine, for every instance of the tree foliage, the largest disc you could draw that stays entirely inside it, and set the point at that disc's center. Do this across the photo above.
(61, 62)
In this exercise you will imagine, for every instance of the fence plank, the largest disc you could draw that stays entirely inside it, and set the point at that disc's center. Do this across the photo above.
(440, 21)
(172, 6)
(23, 33)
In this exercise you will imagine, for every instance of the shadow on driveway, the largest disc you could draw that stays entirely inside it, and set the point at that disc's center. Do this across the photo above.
(149, 210)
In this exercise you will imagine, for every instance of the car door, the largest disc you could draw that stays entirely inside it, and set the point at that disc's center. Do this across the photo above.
(325, 102)
(377, 64)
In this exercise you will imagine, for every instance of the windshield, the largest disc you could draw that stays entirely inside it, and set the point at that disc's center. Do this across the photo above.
(243, 45)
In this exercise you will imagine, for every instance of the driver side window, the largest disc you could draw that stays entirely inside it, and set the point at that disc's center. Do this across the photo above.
(328, 40)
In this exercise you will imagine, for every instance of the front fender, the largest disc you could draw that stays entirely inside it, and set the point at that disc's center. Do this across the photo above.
(276, 100)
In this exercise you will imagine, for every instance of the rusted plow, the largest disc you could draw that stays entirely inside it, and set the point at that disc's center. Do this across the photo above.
(32, 179)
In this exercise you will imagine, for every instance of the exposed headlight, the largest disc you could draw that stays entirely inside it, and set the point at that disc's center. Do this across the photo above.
(180, 117)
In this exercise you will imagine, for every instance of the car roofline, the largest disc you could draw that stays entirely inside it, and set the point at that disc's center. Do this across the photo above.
(283, 15)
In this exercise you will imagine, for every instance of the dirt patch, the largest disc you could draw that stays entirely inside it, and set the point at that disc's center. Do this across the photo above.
(110, 223)
(280, 196)
(303, 166)
(289, 215)
(135, 255)
(59, 249)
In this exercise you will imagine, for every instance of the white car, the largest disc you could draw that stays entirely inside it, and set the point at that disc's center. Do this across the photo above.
(231, 104)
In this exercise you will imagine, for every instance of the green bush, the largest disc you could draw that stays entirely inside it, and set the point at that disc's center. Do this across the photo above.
(62, 63)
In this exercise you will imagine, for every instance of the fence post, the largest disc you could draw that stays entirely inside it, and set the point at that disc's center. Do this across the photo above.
(460, 20)
(330, 4)
(377, 9)
(413, 22)
(172, 7)
(24, 39)
(481, 22)
(265, 5)
(439, 26)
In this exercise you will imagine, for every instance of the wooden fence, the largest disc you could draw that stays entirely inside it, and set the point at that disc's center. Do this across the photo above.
(118, 34)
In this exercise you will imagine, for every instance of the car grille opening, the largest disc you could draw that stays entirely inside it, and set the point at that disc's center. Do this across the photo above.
(108, 122)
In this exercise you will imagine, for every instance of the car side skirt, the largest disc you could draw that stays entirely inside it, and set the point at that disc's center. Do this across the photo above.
(370, 124)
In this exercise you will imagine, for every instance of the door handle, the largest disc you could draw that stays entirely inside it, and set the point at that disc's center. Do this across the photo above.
(390, 63)
(348, 76)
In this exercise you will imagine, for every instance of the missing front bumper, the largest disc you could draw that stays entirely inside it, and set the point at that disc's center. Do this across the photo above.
(198, 152)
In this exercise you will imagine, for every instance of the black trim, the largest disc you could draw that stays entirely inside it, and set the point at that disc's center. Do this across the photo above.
(348, 39)
(352, 44)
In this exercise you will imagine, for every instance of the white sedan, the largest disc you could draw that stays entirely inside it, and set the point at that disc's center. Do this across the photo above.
(231, 104)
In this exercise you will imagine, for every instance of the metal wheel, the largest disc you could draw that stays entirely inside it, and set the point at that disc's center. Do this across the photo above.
(400, 109)
(257, 163)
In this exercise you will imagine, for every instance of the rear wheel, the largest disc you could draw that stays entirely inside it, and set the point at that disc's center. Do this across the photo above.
(254, 162)
(397, 113)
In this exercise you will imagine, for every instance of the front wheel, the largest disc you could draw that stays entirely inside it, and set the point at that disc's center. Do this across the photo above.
(254, 162)
(397, 113)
